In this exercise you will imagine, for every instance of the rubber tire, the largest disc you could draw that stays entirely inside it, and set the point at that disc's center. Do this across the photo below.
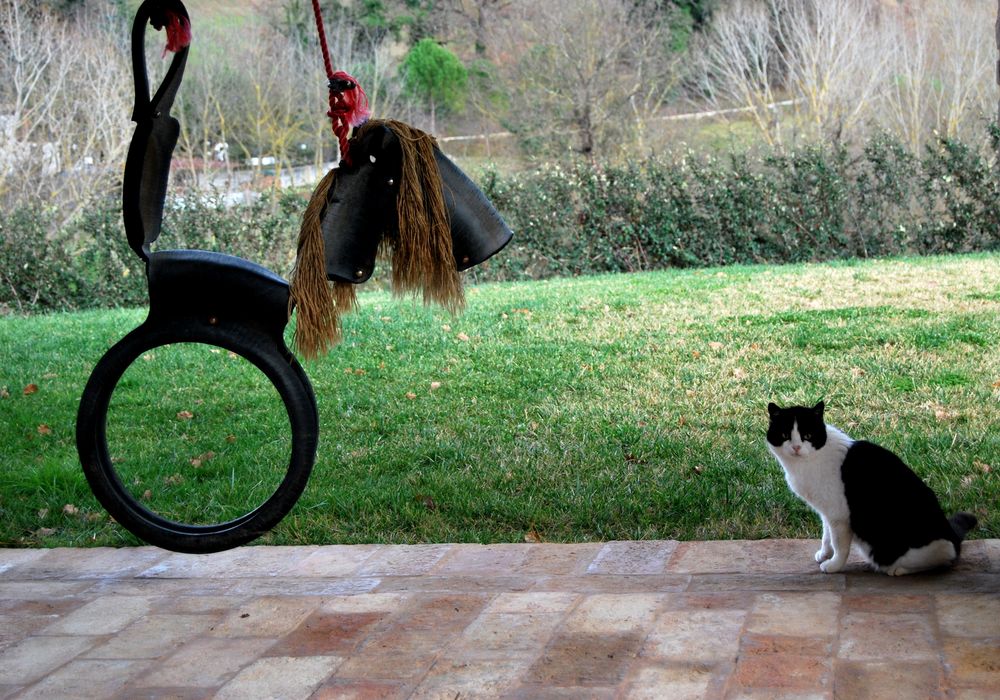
(284, 373)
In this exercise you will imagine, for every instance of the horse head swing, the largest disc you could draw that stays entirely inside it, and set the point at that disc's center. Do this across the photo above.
(393, 192)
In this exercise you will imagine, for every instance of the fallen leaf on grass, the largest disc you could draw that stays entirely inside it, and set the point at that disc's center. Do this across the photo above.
(185, 415)
(70, 509)
(230, 439)
(716, 345)
(427, 502)
(43, 513)
(201, 459)
(410, 395)
(982, 466)
(44, 429)
(30, 389)
(435, 385)
(44, 532)
(532, 536)
(943, 414)
(463, 337)
(4, 393)
(147, 495)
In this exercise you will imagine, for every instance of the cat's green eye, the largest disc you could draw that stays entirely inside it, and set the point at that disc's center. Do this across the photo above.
(806, 436)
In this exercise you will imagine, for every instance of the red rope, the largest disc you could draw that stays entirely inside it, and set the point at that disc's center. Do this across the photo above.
(348, 102)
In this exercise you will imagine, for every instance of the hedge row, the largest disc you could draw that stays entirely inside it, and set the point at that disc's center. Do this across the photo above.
(815, 203)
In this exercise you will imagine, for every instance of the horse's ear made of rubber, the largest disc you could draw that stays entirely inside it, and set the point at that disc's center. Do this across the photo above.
(147, 166)
(477, 230)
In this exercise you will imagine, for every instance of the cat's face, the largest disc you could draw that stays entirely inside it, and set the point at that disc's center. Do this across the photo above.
(797, 431)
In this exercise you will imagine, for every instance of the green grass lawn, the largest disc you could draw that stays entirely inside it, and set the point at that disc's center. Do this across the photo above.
(629, 406)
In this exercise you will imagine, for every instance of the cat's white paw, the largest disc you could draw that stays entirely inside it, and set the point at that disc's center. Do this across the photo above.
(831, 566)
(823, 554)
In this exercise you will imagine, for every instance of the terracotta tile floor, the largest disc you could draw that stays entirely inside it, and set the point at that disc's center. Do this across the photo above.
(664, 620)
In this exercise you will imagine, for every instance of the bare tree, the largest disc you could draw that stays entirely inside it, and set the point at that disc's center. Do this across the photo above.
(577, 70)
(848, 65)
(64, 103)
(739, 64)
(834, 59)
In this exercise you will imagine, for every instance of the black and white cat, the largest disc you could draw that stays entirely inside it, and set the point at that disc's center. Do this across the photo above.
(863, 493)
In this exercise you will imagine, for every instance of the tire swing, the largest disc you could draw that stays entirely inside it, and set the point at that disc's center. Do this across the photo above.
(393, 193)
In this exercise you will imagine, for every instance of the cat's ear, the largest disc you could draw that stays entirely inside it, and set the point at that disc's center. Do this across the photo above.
(772, 409)
(818, 409)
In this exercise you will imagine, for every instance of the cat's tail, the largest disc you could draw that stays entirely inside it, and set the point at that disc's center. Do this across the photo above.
(961, 523)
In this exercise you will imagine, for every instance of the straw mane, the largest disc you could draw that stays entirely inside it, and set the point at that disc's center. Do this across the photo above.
(419, 248)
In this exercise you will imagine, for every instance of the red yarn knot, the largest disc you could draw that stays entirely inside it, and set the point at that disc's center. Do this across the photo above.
(178, 30)
(348, 108)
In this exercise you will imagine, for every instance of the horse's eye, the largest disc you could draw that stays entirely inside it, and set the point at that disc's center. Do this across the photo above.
(391, 182)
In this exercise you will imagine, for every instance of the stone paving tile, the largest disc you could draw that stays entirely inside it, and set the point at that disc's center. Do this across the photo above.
(403, 561)
(327, 633)
(105, 615)
(87, 678)
(964, 615)
(795, 614)
(242, 562)
(578, 658)
(885, 680)
(337, 560)
(697, 636)
(34, 657)
(733, 556)
(558, 559)
(888, 636)
(99, 562)
(527, 692)
(481, 560)
(505, 635)
(677, 682)
(735, 620)
(610, 583)
(14, 559)
(475, 678)
(153, 636)
(340, 689)
(204, 662)
(288, 678)
(272, 616)
(632, 557)
(973, 662)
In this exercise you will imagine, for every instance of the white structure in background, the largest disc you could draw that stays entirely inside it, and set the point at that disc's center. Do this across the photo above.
(16, 155)
(220, 152)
